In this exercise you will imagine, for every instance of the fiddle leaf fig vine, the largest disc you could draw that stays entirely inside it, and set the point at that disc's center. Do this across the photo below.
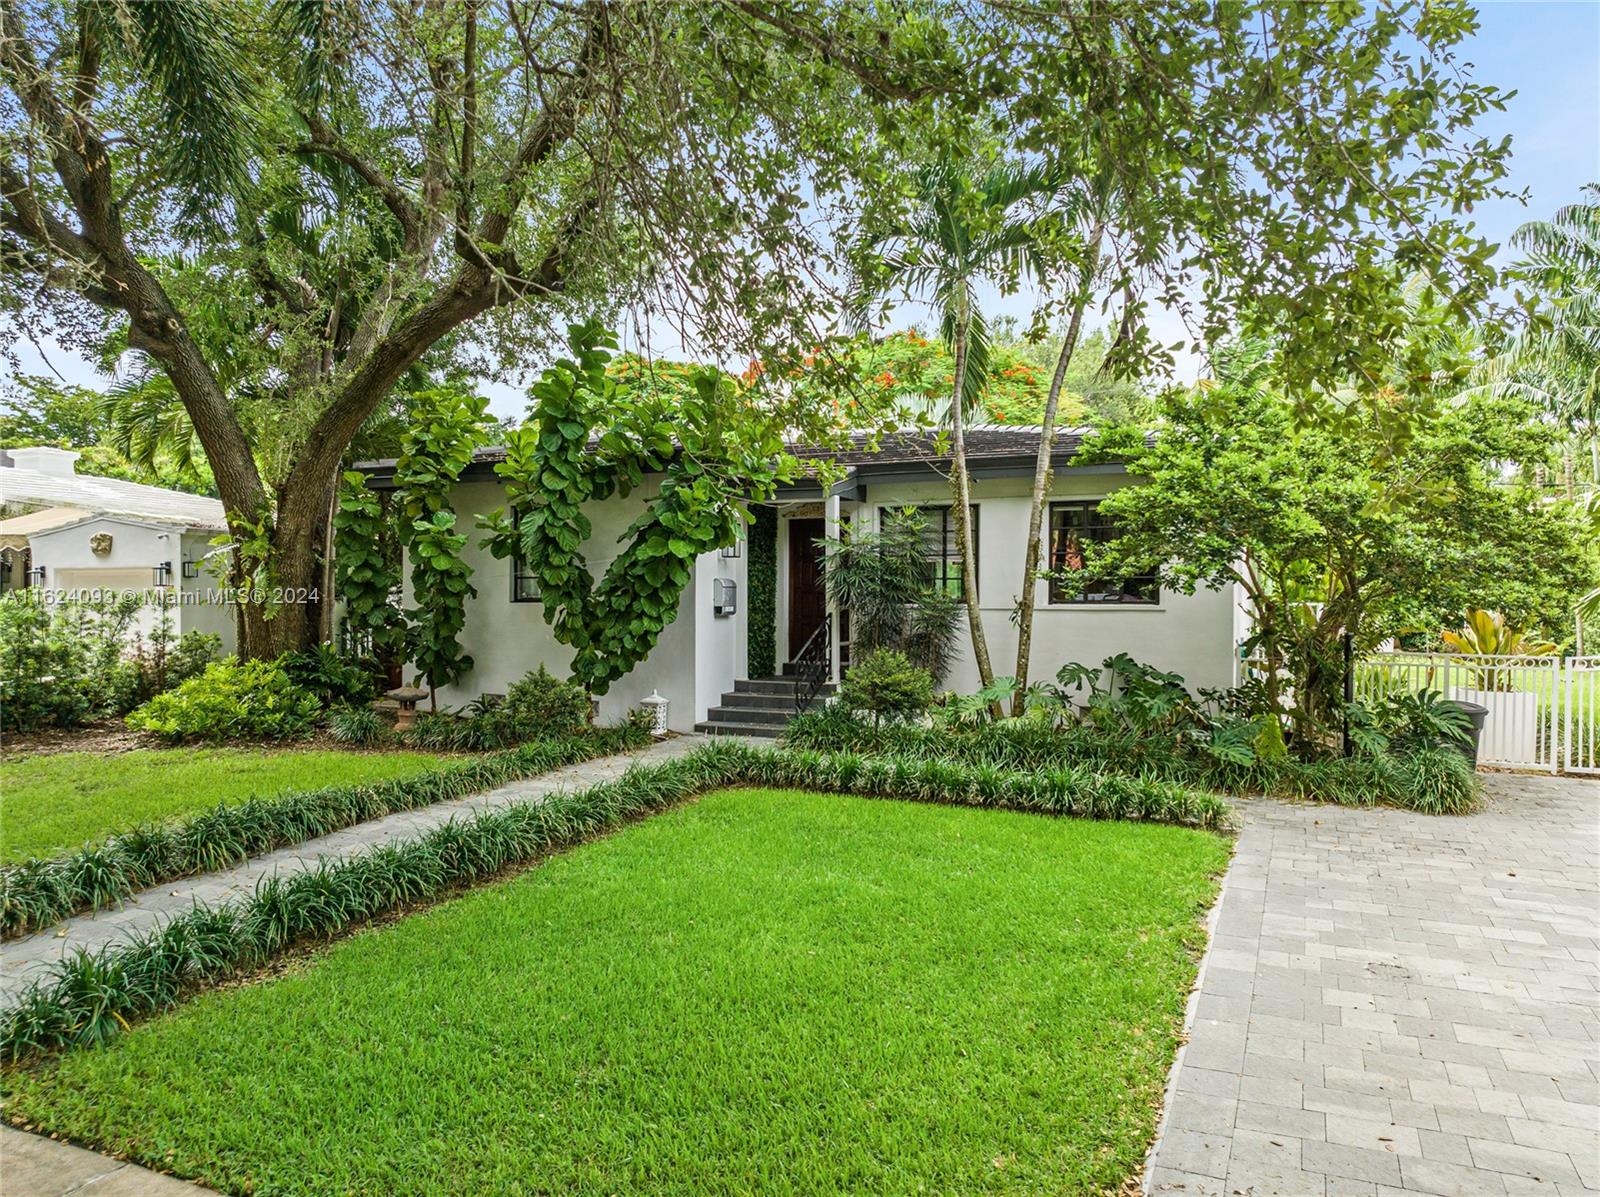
(589, 437)
(366, 566)
(446, 426)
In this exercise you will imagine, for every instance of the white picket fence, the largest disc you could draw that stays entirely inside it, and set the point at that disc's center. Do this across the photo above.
(1544, 712)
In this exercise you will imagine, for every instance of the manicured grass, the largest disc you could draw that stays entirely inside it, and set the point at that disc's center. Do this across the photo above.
(758, 992)
(56, 803)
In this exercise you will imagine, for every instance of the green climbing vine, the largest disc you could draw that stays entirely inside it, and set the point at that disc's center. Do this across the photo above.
(366, 566)
(762, 587)
(446, 425)
(713, 447)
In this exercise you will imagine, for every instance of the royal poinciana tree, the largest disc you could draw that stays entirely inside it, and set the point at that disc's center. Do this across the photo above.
(285, 205)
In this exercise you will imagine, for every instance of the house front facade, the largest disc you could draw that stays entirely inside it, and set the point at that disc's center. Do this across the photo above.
(770, 588)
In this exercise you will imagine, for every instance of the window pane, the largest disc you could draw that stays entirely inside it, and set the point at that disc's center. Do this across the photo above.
(1072, 526)
(943, 547)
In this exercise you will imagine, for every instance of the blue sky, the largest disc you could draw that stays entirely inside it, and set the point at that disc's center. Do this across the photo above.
(1548, 51)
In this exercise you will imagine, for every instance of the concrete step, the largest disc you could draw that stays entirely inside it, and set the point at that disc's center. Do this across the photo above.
(777, 714)
(773, 685)
(762, 730)
(759, 700)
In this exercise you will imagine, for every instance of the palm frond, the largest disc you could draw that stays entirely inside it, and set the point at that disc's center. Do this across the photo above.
(307, 27)
(191, 54)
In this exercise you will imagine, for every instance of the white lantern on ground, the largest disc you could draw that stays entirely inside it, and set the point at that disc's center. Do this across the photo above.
(655, 708)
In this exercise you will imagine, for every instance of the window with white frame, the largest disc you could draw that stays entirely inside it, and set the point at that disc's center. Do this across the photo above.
(524, 585)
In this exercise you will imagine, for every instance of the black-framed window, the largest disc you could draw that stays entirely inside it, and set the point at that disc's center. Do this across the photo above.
(1073, 525)
(944, 547)
(524, 585)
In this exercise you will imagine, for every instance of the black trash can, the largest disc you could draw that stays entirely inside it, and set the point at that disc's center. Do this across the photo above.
(1475, 716)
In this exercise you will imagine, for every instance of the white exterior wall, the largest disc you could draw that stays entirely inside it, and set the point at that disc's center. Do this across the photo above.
(136, 550)
(506, 640)
(1192, 635)
(195, 615)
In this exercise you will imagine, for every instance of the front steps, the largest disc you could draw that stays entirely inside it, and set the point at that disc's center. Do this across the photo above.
(759, 706)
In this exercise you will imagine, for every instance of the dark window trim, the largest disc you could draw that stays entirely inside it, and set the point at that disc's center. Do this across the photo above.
(952, 554)
(1083, 598)
(520, 575)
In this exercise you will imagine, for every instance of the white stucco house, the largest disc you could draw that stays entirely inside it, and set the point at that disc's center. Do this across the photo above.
(74, 534)
(702, 661)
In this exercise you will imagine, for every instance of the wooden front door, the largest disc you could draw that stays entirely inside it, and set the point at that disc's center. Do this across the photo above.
(808, 603)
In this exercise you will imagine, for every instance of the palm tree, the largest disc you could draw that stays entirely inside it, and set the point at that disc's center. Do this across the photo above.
(1556, 361)
(963, 231)
(1089, 207)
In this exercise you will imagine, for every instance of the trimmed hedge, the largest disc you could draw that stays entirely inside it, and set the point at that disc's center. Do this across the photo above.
(37, 892)
(90, 996)
(1431, 780)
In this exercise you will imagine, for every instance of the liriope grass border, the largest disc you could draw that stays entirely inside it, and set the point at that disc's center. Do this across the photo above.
(1432, 781)
(90, 997)
(41, 891)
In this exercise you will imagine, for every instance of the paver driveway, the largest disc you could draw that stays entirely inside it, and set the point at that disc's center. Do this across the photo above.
(1397, 1003)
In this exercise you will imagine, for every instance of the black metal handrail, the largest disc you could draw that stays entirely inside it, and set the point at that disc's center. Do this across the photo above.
(812, 665)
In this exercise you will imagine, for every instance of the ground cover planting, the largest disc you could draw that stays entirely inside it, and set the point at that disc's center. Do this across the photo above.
(761, 990)
(1431, 779)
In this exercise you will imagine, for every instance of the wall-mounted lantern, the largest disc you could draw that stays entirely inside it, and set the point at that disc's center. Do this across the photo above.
(191, 569)
(35, 576)
(731, 551)
(724, 596)
(162, 574)
(655, 710)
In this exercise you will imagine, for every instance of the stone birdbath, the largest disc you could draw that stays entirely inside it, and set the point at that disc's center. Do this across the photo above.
(408, 697)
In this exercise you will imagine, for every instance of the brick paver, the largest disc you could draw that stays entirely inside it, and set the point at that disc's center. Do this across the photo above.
(24, 959)
(1393, 1003)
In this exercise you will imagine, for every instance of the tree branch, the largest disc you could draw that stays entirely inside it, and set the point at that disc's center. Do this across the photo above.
(326, 142)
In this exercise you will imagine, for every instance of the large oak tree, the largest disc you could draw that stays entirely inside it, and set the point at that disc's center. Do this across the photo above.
(284, 206)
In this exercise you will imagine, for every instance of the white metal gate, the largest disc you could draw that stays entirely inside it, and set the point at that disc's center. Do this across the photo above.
(1544, 712)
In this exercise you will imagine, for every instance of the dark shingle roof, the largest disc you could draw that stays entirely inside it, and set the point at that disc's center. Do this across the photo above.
(987, 444)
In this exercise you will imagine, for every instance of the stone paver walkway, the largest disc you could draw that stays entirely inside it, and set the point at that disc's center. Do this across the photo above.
(24, 959)
(1393, 1003)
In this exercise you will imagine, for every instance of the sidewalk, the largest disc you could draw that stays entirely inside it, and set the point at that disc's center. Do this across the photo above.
(33, 1166)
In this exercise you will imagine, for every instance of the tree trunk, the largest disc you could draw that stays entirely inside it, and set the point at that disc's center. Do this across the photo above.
(961, 488)
(1043, 474)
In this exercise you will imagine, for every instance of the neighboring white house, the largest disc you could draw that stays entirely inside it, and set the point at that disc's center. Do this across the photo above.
(81, 535)
(700, 662)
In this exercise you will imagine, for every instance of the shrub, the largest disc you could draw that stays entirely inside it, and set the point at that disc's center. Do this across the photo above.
(37, 892)
(329, 676)
(159, 663)
(887, 686)
(42, 672)
(89, 997)
(249, 700)
(61, 663)
(1424, 780)
(358, 725)
(1438, 781)
(541, 704)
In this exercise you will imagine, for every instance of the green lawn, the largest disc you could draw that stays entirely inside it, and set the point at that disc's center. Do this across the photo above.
(55, 803)
(758, 992)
